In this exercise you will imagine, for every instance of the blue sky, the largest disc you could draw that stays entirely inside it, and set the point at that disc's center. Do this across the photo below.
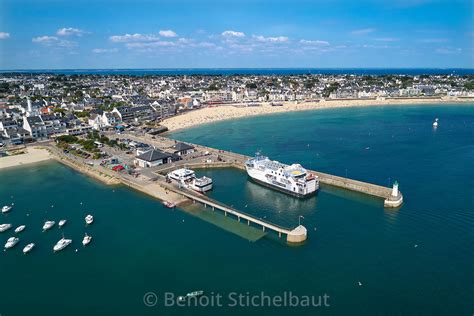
(55, 34)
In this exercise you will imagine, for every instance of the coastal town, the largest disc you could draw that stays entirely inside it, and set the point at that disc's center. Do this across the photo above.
(35, 107)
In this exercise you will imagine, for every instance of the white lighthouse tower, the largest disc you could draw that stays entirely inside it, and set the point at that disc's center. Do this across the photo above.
(395, 189)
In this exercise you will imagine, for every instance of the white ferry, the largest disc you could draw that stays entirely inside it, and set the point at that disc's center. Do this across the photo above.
(188, 177)
(293, 180)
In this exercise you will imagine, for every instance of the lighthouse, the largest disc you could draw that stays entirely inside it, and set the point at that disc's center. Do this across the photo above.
(395, 189)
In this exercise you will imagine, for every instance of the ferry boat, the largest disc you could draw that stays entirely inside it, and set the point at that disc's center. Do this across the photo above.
(11, 242)
(61, 244)
(28, 248)
(188, 177)
(5, 227)
(293, 180)
(6, 208)
(48, 224)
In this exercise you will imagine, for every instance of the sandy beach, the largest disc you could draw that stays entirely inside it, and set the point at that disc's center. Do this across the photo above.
(32, 155)
(226, 112)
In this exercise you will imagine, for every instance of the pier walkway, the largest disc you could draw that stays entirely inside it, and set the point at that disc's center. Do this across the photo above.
(295, 235)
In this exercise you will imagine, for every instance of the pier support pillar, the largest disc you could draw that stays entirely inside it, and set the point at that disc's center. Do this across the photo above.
(213, 208)
(225, 213)
(248, 222)
(238, 219)
(263, 228)
(279, 234)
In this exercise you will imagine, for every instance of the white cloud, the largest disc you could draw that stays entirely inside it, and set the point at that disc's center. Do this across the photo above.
(168, 33)
(311, 42)
(434, 40)
(276, 39)
(4, 35)
(363, 31)
(133, 38)
(448, 50)
(233, 34)
(151, 44)
(53, 41)
(387, 39)
(104, 50)
(67, 31)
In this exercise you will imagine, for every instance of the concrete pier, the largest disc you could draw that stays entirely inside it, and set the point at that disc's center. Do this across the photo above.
(295, 235)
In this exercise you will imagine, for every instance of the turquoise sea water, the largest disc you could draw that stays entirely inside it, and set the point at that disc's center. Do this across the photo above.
(138, 246)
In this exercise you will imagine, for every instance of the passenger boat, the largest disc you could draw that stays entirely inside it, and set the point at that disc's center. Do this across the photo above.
(61, 244)
(28, 248)
(202, 184)
(291, 179)
(11, 242)
(86, 240)
(89, 219)
(48, 224)
(188, 178)
(20, 228)
(5, 227)
(6, 208)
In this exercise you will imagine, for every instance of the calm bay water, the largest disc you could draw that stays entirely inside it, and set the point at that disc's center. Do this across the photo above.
(138, 246)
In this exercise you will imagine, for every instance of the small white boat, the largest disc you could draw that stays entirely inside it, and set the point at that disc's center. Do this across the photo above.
(5, 227)
(6, 208)
(190, 295)
(169, 204)
(48, 224)
(435, 123)
(19, 229)
(28, 248)
(89, 219)
(11, 242)
(87, 239)
(201, 185)
(61, 244)
(62, 223)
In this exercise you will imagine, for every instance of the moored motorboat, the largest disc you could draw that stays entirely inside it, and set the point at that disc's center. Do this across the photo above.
(86, 240)
(89, 219)
(62, 223)
(5, 227)
(6, 208)
(61, 244)
(11, 242)
(202, 184)
(435, 123)
(48, 224)
(28, 248)
(169, 204)
(20, 228)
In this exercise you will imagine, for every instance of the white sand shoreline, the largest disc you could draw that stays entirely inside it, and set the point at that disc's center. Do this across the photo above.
(32, 155)
(228, 112)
